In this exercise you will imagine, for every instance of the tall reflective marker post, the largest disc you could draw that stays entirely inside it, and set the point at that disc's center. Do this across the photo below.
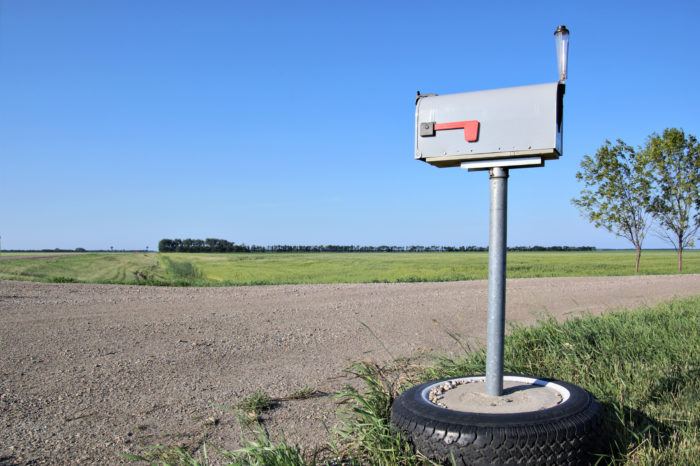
(496, 130)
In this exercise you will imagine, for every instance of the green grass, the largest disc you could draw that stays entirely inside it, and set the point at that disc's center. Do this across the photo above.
(269, 269)
(302, 393)
(643, 365)
(181, 269)
(257, 401)
(275, 269)
(92, 268)
(36, 254)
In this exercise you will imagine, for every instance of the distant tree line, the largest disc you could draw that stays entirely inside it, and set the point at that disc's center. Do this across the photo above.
(553, 248)
(197, 245)
(220, 245)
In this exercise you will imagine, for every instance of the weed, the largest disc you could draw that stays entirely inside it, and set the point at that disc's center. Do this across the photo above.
(175, 455)
(253, 405)
(260, 450)
(365, 433)
(258, 401)
(302, 393)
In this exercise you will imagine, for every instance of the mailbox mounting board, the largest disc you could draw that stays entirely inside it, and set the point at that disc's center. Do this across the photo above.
(508, 123)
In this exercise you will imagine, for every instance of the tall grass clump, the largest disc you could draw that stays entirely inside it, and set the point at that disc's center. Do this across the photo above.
(257, 450)
(365, 434)
(181, 270)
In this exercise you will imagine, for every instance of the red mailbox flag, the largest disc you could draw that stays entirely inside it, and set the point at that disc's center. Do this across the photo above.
(471, 128)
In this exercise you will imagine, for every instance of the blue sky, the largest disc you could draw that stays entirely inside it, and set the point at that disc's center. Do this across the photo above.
(125, 122)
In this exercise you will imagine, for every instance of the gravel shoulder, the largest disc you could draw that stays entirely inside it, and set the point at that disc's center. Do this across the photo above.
(89, 371)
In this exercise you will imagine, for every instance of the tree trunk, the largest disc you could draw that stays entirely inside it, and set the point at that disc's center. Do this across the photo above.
(636, 267)
(680, 258)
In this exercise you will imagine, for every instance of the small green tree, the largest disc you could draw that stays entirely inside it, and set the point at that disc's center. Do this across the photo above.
(616, 194)
(675, 165)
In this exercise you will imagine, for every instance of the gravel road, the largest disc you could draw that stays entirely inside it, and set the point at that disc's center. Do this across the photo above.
(89, 371)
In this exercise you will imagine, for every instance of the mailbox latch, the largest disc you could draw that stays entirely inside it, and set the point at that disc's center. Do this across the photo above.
(427, 129)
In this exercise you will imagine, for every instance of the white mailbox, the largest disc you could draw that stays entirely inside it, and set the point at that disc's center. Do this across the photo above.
(521, 126)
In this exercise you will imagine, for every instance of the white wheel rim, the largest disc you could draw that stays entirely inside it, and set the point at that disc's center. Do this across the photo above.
(565, 394)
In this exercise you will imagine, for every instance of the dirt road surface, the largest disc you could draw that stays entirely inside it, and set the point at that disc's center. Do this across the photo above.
(89, 371)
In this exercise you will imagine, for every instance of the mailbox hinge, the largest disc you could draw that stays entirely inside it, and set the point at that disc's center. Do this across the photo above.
(420, 96)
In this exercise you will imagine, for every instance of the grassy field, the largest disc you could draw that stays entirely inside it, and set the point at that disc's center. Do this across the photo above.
(36, 254)
(414, 267)
(269, 269)
(95, 268)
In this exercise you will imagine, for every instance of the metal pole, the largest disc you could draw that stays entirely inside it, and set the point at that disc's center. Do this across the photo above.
(497, 280)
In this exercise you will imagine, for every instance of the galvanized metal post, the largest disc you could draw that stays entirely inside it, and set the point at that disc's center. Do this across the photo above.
(498, 228)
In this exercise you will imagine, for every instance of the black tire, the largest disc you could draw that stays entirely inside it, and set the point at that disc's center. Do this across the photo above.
(567, 434)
